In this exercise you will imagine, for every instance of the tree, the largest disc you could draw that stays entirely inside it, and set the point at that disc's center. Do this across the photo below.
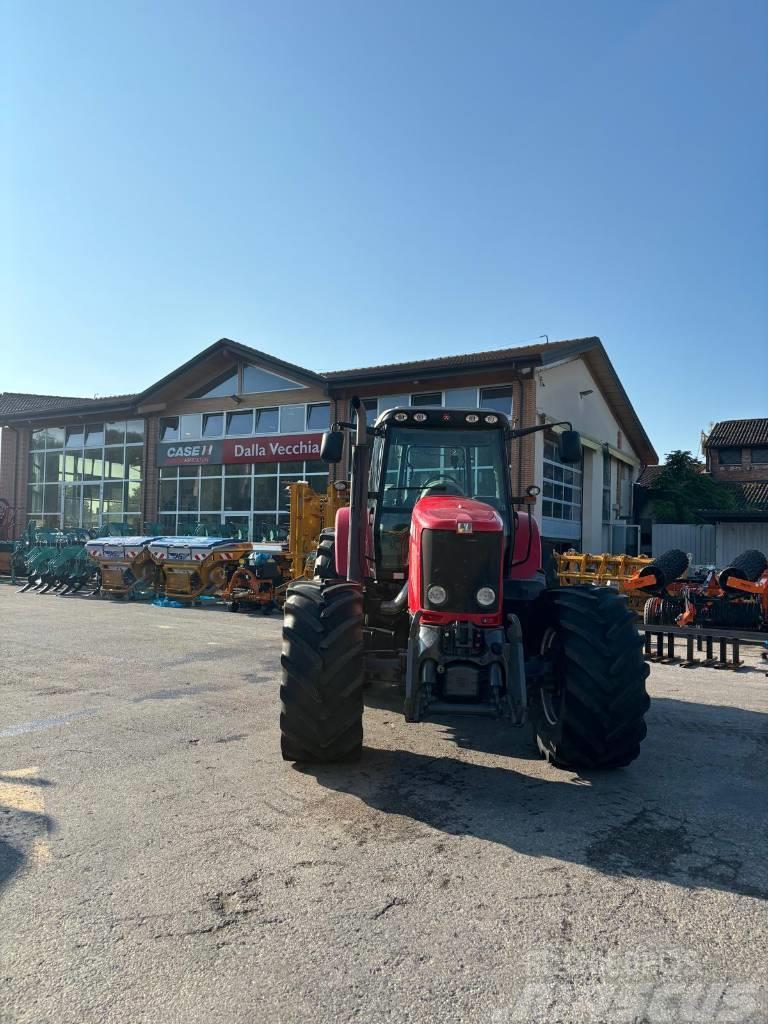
(683, 489)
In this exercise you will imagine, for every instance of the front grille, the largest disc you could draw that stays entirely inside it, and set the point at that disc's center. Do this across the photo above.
(462, 563)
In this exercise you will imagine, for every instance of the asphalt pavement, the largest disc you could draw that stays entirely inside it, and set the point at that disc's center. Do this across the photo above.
(160, 863)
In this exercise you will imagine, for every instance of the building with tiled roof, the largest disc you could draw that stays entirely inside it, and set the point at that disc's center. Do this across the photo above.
(90, 461)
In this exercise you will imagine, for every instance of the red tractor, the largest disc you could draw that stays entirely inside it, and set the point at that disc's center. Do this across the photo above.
(432, 578)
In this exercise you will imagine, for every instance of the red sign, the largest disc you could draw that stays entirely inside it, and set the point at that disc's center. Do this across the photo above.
(280, 448)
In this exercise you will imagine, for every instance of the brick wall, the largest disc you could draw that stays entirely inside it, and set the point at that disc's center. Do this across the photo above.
(150, 481)
(739, 473)
(14, 451)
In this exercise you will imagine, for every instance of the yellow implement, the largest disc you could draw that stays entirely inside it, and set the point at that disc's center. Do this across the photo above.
(196, 566)
(603, 571)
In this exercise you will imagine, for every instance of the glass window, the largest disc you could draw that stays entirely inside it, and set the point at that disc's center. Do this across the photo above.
(191, 426)
(36, 467)
(318, 416)
(114, 463)
(168, 524)
(210, 493)
(266, 421)
(169, 428)
(210, 470)
(167, 495)
(189, 492)
(265, 492)
(461, 398)
(264, 468)
(256, 381)
(38, 439)
(91, 505)
(213, 424)
(94, 434)
(134, 459)
(392, 402)
(316, 467)
(760, 455)
(134, 432)
(115, 433)
(223, 387)
(75, 437)
(113, 496)
(497, 399)
(189, 471)
(729, 456)
(54, 437)
(240, 423)
(371, 406)
(292, 419)
(563, 485)
(54, 467)
(428, 398)
(169, 472)
(73, 465)
(237, 494)
(133, 496)
(35, 499)
(51, 498)
(71, 508)
(237, 469)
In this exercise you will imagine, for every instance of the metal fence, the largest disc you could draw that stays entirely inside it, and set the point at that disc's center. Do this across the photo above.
(733, 538)
(710, 544)
(698, 540)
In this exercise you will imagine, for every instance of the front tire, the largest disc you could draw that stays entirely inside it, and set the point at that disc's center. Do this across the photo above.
(590, 712)
(321, 717)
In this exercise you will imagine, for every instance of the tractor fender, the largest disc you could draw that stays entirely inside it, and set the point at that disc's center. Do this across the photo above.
(341, 545)
(342, 541)
(527, 548)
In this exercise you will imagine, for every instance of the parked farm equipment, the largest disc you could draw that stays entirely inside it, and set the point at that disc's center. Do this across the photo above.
(574, 568)
(735, 598)
(126, 566)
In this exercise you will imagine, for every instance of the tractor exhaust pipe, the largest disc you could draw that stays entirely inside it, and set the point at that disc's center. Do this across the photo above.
(358, 498)
(397, 603)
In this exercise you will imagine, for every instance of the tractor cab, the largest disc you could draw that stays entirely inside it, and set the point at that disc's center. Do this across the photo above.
(437, 453)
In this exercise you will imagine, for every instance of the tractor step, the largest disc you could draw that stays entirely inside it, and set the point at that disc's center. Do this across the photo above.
(444, 707)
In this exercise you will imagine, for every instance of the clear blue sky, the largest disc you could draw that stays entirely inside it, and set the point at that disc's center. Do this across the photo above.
(349, 183)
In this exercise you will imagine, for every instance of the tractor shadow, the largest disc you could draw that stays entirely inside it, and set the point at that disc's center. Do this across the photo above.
(692, 811)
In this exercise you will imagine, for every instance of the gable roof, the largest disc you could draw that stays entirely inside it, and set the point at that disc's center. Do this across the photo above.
(245, 353)
(539, 354)
(736, 433)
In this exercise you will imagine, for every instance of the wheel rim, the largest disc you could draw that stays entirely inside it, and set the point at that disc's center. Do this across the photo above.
(551, 695)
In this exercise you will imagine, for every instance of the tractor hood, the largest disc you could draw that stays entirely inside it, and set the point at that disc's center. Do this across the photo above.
(456, 514)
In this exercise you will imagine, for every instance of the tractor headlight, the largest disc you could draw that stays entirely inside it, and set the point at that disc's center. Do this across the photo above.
(436, 594)
(485, 596)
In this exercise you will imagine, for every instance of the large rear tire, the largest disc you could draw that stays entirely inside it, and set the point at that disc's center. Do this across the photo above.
(590, 711)
(321, 716)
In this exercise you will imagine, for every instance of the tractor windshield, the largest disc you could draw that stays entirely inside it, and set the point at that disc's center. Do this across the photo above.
(410, 463)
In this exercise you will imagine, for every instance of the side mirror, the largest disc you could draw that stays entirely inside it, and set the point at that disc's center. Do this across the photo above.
(332, 446)
(569, 444)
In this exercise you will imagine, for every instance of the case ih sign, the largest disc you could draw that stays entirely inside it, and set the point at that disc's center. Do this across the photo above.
(280, 448)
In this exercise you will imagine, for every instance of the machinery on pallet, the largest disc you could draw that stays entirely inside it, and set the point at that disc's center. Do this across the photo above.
(193, 567)
(733, 598)
(432, 579)
(253, 583)
(126, 566)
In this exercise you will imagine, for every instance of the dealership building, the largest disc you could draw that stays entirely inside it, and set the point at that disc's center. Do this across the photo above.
(218, 439)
